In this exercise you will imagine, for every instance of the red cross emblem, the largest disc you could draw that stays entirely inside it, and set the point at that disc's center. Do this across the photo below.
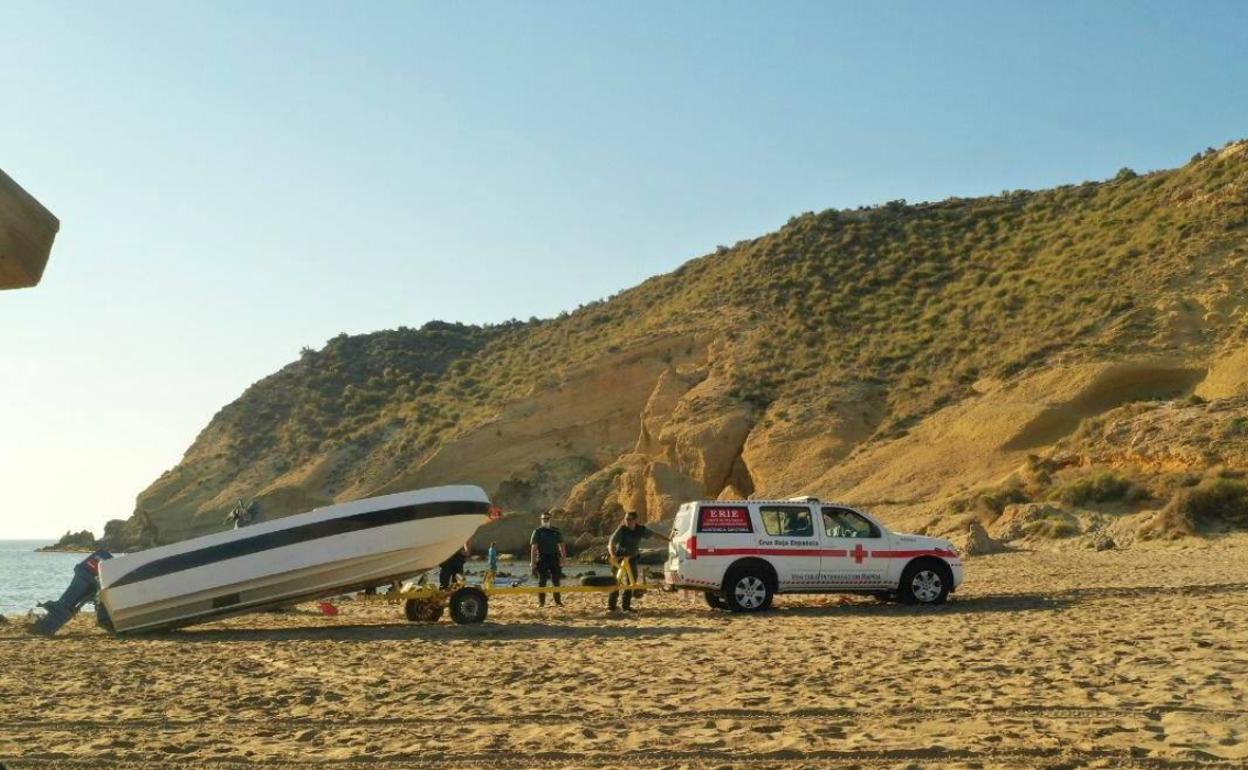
(858, 553)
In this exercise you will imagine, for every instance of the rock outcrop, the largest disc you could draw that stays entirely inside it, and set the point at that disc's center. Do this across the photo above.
(977, 542)
(83, 541)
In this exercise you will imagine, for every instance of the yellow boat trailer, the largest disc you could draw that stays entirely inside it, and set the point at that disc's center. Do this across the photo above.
(470, 604)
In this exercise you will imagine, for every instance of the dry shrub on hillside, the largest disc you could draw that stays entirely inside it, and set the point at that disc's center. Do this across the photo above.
(985, 505)
(1034, 521)
(1235, 428)
(1214, 503)
(1053, 528)
(1102, 487)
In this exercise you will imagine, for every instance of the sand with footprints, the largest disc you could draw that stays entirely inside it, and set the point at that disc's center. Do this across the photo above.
(1043, 659)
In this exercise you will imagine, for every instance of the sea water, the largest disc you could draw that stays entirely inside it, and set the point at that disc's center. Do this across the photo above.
(28, 577)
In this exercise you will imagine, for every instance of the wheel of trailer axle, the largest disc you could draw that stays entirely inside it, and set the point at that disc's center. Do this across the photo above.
(469, 605)
(715, 600)
(422, 611)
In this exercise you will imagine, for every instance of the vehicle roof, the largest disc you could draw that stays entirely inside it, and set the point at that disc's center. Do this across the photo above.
(787, 501)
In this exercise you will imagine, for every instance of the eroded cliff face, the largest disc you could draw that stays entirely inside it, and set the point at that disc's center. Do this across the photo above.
(647, 432)
(901, 358)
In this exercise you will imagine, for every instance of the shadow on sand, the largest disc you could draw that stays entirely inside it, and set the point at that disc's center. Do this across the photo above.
(972, 605)
(432, 632)
(612, 626)
(1020, 602)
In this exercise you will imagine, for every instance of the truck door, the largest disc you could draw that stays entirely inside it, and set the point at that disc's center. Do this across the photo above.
(789, 541)
(848, 542)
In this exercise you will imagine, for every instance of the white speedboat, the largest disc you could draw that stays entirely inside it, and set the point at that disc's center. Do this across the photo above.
(307, 556)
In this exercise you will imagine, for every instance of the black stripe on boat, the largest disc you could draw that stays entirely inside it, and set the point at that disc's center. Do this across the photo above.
(300, 534)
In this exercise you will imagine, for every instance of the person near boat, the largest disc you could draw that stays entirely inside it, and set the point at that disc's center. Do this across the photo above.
(453, 568)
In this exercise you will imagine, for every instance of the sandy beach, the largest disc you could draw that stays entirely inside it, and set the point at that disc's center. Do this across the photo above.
(1049, 660)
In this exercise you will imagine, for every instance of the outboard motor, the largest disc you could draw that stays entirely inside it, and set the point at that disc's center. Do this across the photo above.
(81, 590)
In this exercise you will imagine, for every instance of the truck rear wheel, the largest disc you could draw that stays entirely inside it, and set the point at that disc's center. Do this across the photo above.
(715, 600)
(748, 589)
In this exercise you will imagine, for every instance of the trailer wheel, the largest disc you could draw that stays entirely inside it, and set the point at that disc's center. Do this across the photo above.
(715, 600)
(469, 605)
(423, 611)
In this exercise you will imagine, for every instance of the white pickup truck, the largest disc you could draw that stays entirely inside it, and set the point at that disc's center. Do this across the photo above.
(742, 553)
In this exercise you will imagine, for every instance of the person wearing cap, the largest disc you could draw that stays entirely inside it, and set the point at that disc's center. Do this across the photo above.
(546, 556)
(625, 542)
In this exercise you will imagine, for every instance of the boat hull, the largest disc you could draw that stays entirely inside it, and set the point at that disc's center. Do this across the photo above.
(297, 558)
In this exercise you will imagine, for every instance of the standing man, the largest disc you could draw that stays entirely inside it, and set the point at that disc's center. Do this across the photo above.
(625, 543)
(546, 556)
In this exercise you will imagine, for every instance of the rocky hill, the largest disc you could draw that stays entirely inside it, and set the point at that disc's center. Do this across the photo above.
(919, 359)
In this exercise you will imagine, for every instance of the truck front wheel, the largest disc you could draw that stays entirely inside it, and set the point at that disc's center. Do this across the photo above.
(925, 581)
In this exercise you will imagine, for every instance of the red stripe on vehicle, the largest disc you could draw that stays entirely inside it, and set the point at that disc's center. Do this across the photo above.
(942, 553)
(695, 552)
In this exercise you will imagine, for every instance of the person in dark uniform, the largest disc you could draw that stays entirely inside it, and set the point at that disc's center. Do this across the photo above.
(453, 567)
(546, 556)
(625, 542)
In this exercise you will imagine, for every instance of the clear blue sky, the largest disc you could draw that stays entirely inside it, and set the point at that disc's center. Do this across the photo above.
(236, 180)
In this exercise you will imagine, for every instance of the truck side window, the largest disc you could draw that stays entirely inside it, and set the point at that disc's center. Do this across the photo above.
(787, 520)
(842, 522)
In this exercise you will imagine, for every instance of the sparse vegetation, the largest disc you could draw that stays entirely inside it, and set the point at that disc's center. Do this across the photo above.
(914, 301)
(1052, 529)
(1101, 487)
(987, 504)
(1213, 503)
(329, 396)
(1235, 428)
